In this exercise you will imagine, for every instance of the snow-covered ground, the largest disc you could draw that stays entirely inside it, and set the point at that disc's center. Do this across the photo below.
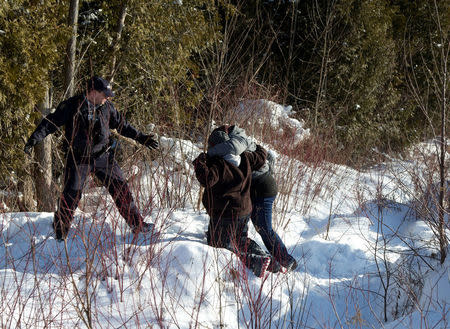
(363, 256)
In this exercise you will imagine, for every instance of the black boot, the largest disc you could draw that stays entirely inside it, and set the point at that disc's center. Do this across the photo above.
(274, 266)
(258, 264)
(289, 264)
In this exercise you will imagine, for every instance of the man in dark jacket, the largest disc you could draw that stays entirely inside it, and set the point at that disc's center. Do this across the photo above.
(227, 201)
(87, 120)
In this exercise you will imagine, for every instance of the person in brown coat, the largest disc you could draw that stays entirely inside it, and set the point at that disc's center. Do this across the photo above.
(227, 202)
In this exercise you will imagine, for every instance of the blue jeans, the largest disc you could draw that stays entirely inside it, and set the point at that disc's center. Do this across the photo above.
(262, 220)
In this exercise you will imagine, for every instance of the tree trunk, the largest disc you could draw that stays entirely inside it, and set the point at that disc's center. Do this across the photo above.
(442, 170)
(118, 36)
(26, 201)
(443, 58)
(43, 166)
(69, 67)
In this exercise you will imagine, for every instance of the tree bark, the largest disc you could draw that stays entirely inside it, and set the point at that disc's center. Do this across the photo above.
(116, 41)
(25, 202)
(441, 68)
(442, 169)
(43, 167)
(69, 67)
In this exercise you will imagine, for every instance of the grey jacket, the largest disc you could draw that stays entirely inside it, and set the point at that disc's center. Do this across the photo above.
(238, 143)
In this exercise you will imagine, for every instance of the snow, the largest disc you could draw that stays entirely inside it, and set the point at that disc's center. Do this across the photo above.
(356, 234)
(279, 116)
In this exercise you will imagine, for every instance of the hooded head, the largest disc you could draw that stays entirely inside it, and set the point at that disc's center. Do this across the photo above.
(218, 135)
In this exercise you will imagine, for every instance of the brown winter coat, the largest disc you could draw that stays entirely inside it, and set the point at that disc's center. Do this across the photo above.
(227, 187)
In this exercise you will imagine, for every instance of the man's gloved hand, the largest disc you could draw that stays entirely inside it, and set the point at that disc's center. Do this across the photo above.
(29, 147)
(148, 140)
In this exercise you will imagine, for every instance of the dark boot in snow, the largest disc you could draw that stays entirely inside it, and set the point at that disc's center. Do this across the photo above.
(290, 264)
(258, 264)
(255, 249)
(274, 266)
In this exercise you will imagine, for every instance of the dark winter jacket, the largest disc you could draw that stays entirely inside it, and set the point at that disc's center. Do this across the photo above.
(264, 184)
(227, 187)
(87, 129)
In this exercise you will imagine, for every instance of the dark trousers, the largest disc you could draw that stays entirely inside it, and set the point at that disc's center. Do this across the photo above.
(262, 220)
(106, 169)
(231, 234)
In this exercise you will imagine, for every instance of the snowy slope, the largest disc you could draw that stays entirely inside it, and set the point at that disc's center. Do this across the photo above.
(352, 239)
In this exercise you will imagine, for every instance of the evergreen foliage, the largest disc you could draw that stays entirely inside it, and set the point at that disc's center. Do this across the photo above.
(32, 41)
(341, 64)
(360, 93)
(156, 73)
(417, 33)
(344, 65)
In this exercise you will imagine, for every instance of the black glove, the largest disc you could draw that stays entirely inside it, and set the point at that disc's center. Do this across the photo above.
(148, 140)
(29, 147)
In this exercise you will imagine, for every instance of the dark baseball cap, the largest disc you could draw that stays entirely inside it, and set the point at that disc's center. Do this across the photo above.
(100, 84)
